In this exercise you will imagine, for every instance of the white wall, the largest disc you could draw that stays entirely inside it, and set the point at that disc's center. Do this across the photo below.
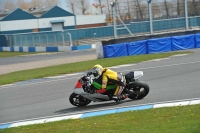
(45, 22)
(90, 19)
(19, 25)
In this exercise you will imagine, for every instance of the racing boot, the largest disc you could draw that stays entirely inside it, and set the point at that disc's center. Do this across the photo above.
(119, 97)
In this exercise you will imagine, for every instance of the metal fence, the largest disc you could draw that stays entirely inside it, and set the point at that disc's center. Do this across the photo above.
(137, 25)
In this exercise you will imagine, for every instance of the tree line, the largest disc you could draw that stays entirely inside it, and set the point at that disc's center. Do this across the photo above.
(127, 9)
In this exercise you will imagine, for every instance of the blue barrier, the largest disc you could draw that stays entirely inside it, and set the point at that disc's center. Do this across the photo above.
(115, 50)
(150, 46)
(137, 48)
(183, 42)
(47, 49)
(31, 49)
(51, 49)
(12, 49)
(20, 49)
(81, 47)
(197, 40)
(159, 45)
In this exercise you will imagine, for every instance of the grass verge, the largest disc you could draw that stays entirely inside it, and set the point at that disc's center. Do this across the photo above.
(4, 54)
(180, 119)
(79, 66)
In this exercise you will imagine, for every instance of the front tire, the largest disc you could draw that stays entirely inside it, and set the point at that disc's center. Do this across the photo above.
(139, 88)
(78, 100)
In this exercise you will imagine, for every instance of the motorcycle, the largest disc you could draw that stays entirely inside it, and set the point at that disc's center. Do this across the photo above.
(84, 91)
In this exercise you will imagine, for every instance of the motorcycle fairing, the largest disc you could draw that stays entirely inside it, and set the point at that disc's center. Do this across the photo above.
(96, 97)
(78, 84)
(133, 75)
(138, 74)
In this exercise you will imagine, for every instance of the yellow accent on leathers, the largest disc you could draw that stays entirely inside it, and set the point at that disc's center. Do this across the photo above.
(108, 77)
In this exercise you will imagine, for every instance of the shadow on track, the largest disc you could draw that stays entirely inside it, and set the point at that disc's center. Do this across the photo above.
(94, 107)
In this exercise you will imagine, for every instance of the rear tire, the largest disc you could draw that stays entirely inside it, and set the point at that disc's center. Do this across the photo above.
(78, 100)
(140, 88)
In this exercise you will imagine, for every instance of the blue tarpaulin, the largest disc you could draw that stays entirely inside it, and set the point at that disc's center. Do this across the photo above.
(159, 45)
(197, 40)
(115, 50)
(183, 42)
(136, 48)
(150, 46)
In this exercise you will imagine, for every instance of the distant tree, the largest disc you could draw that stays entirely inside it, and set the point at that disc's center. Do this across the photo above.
(2, 4)
(109, 8)
(23, 4)
(100, 5)
(36, 3)
(129, 12)
(194, 7)
(139, 8)
(49, 3)
(117, 7)
(10, 4)
(71, 4)
(169, 8)
(178, 7)
(166, 8)
(84, 6)
(156, 12)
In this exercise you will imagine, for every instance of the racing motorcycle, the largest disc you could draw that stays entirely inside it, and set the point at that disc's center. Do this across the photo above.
(84, 90)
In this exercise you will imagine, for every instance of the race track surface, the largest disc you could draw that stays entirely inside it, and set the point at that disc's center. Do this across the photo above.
(172, 78)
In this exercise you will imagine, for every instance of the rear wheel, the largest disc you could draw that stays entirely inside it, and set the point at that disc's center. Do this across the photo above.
(139, 88)
(78, 100)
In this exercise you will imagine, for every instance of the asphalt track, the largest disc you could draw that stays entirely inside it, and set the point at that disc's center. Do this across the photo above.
(172, 78)
(44, 56)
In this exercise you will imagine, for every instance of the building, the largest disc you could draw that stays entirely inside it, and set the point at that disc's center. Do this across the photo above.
(45, 19)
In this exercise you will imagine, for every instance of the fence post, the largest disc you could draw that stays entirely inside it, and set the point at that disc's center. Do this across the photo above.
(186, 16)
(10, 40)
(26, 40)
(114, 18)
(21, 40)
(63, 38)
(54, 38)
(70, 39)
(150, 17)
(33, 40)
(6, 39)
(94, 37)
(15, 40)
(39, 39)
(47, 39)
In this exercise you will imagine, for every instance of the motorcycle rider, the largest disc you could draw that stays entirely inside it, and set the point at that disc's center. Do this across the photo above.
(109, 76)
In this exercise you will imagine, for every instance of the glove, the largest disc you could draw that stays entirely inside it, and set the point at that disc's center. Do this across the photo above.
(89, 73)
(84, 78)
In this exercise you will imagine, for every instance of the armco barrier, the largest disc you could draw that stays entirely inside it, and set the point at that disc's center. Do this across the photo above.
(81, 47)
(150, 46)
(47, 49)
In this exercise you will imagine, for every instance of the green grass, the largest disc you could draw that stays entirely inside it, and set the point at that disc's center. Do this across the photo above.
(180, 119)
(79, 66)
(11, 54)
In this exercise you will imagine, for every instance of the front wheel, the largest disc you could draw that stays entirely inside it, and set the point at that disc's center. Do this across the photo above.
(139, 88)
(78, 100)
